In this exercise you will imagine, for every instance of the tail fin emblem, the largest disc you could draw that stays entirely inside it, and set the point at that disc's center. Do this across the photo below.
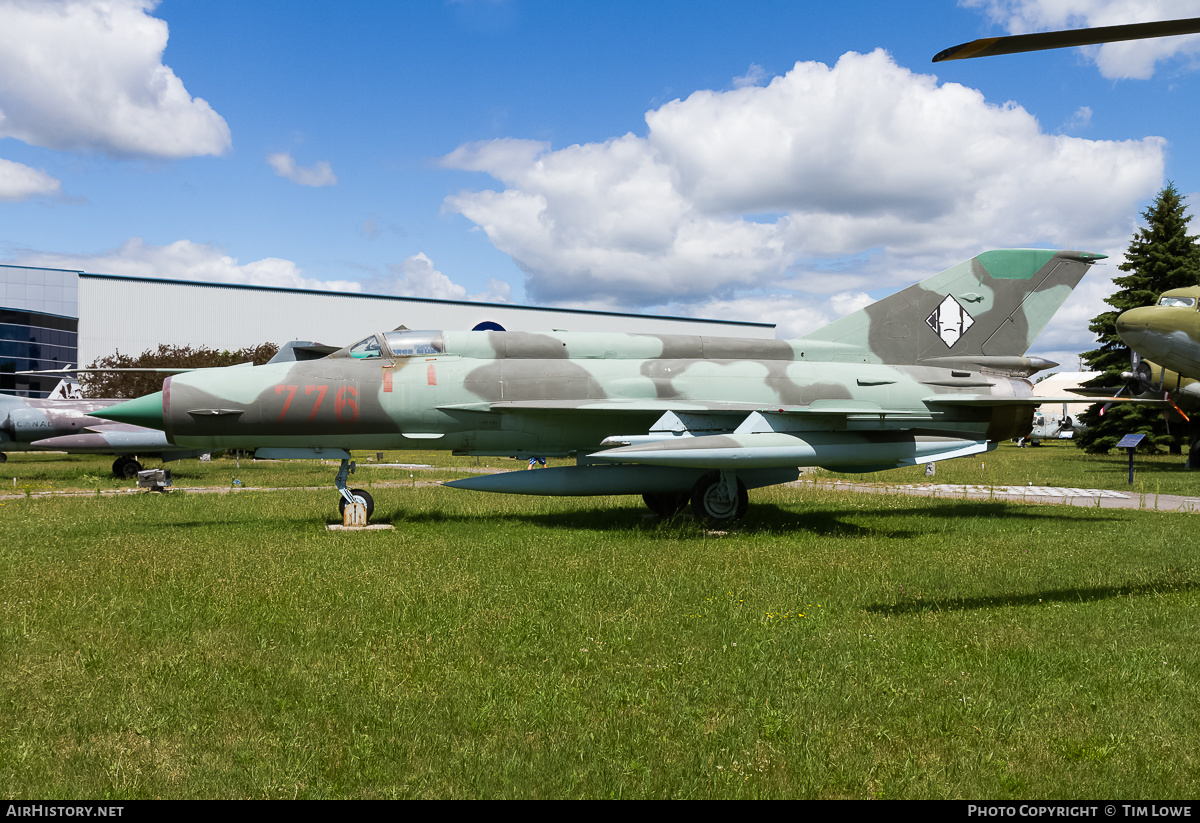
(950, 321)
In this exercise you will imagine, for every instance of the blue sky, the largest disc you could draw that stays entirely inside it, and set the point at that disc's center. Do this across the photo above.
(780, 161)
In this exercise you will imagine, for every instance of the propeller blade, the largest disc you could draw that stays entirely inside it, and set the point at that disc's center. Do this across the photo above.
(1039, 41)
(1108, 406)
(1175, 406)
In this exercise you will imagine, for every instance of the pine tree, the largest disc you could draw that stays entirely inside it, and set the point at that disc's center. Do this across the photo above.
(1160, 257)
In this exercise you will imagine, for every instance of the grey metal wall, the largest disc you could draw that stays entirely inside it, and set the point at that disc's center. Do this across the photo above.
(133, 314)
(49, 291)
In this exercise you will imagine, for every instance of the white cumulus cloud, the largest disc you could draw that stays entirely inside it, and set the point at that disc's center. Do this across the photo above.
(1079, 120)
(21, 182)
(857, 177)
(754, 76)
(185, 260)
(792, 318)
(87, 75)
(1132, 59)
(318, 174)
(416, 276)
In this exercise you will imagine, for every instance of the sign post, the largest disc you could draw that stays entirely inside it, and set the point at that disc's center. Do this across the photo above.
(1130, 441)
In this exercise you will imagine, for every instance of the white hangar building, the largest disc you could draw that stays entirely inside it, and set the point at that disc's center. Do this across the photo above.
(58, 318)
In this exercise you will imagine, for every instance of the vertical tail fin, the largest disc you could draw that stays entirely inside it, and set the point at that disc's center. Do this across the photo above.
(993, 305)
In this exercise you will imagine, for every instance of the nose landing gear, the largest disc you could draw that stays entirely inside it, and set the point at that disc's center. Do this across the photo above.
(126, 468)
(350, 496)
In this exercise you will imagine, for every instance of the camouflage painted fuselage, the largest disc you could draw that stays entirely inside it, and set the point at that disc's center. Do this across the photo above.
(555, 394)
(942, 358)
(933, 372)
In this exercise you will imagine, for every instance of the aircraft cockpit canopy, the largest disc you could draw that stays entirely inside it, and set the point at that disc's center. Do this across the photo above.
(1177, 302)
(415, 343)
(366, 349)
(399, 344)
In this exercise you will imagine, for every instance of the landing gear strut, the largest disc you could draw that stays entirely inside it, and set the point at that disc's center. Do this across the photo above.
(126, 468)
(348, 495)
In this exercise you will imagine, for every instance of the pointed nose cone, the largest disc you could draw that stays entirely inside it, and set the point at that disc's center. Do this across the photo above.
(145, 411)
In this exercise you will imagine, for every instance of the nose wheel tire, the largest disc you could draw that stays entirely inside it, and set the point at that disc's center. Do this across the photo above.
(362, 497)
(126, 468)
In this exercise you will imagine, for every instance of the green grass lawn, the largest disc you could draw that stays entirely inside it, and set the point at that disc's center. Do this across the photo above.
(1051, 464)
(832, 645)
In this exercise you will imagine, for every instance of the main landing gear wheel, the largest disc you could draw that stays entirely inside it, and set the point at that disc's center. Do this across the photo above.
(719, 497)
(360, 496)
(126, 468)
(666, 504)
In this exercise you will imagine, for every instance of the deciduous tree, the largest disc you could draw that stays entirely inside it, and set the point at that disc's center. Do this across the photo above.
(137, 384)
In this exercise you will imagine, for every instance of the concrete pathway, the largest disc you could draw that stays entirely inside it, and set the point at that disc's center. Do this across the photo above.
(1094, 498)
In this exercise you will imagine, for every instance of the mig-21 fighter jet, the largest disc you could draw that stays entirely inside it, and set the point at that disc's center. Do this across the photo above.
(933, 372)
